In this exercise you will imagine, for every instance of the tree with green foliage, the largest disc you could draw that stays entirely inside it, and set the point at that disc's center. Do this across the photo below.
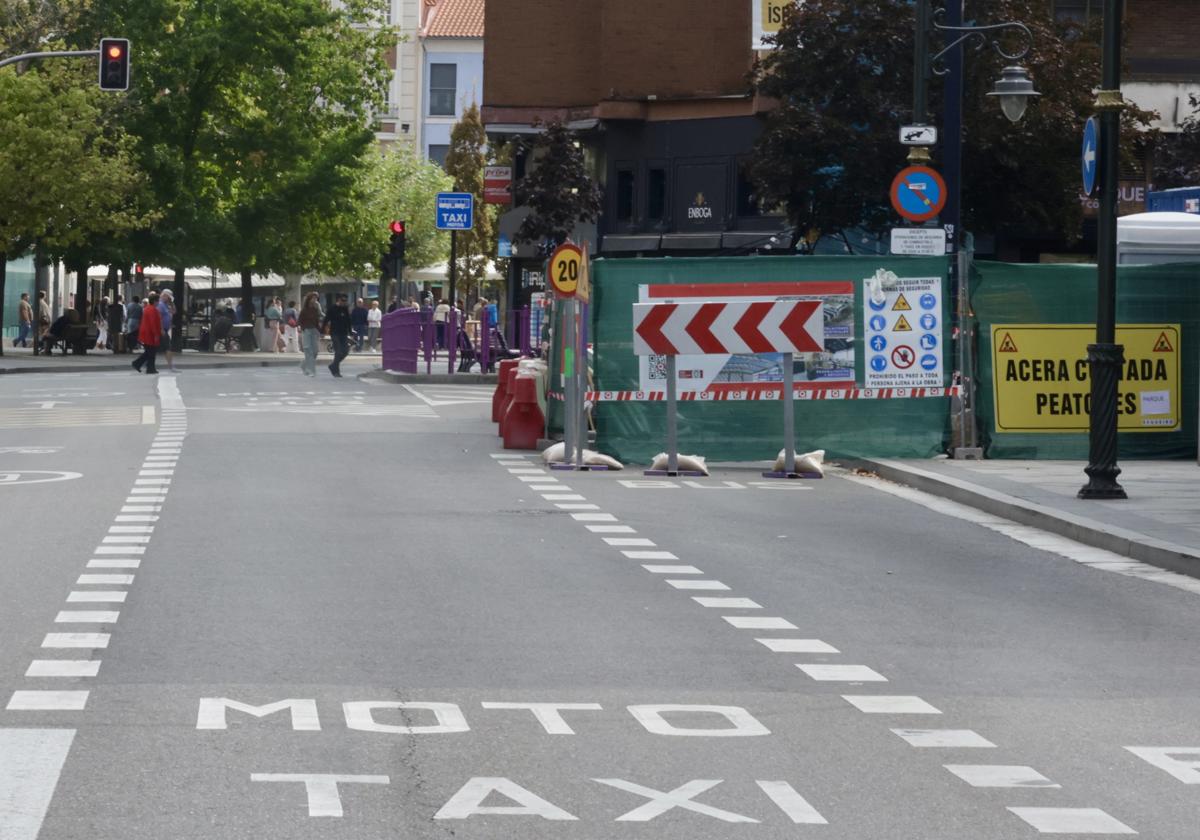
(1177, 157)
(68, 176)
(395, 183)
(841, 71)
(252, 117)
(465, 162)
(557, 189)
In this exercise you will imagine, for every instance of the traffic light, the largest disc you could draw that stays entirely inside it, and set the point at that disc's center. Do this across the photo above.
(114, 64)
(398, 234)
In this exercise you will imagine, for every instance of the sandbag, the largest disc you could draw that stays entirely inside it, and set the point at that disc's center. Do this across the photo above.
(687, 463)
(808, 462)
(557, 454)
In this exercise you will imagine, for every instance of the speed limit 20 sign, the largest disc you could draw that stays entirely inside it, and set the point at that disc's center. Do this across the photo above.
(566, 265)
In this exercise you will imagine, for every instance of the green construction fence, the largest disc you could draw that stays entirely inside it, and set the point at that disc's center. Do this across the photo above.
(751, 430)
(1007, 293)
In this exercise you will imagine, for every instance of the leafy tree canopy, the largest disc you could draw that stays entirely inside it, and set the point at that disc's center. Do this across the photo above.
(842, 74)
(557, 189)
(465, 163)
(1178, 158)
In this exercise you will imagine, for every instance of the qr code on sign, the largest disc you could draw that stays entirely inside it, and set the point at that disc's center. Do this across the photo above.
(658, 367)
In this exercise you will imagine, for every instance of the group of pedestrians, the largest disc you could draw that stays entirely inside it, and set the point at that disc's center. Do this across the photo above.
(313, 322)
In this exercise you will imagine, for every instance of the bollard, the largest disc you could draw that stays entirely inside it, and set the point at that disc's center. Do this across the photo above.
(510, 377)
(524, 420)
(500, 396)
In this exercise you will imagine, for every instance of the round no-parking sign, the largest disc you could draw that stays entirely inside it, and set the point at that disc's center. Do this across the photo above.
(918, 193)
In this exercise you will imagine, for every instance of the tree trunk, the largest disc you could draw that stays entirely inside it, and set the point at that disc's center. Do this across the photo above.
(3, 281)
(41, 283)
(177, 326)
(248, 299)
(81, 292)
(110, 283)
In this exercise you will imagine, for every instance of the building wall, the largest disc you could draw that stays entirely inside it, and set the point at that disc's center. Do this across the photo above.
(405, 92)
(1164, 39)
(467, 55)
(563, 53)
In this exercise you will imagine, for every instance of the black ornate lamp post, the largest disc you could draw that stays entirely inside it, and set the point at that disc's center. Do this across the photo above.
(1106, 357)
(1014, 89)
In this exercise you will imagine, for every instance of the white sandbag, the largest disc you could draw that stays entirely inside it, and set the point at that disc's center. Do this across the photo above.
(599, 459)
(687, 463)
(557, 454)
(808, 462)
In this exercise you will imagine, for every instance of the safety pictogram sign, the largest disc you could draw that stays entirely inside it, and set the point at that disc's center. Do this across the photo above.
(902, 325)
(918, 193)
(903, 357)
(1007, 345)
(1163, 345)
(901, 305)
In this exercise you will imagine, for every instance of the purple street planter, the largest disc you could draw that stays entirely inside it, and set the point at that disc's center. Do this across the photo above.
(401, 335)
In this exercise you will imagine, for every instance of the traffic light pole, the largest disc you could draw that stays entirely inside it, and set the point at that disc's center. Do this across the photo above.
(34, 56)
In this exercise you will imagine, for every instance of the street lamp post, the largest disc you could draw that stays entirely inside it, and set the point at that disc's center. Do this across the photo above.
(1014, 90)
(1106, 357)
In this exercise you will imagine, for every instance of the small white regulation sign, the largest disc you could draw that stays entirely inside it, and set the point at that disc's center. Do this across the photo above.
(918, 135)
(919, 242)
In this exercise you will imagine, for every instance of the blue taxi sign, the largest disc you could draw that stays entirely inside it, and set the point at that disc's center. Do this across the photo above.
(455, 211)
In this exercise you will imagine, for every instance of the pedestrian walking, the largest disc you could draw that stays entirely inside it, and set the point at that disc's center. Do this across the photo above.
(150, 334)
(374, 324)
(291, 328)
(309, 322)
(273, 315)
(338, 322)
(116, 326)
(166, 313)
(440, 312)
(24, 321)
(359, 321)
(100, 322)
(133, 323)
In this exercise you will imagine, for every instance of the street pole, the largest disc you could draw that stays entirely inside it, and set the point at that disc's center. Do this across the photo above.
(1106, 357)
(454, 277)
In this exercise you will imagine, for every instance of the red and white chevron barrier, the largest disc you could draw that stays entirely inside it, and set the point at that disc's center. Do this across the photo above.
(707, 329)
(776, 394)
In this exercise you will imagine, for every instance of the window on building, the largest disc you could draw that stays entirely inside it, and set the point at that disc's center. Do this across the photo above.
(748, 201)
(625, 195)
(656, 194)
(1077, 10)
(437, 154)
(443, 80)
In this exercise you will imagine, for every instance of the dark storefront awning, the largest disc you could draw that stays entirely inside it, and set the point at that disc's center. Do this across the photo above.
(629, 244)
(691, 242)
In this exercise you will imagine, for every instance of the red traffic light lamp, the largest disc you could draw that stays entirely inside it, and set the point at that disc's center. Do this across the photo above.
(397, 228)
(114, 64)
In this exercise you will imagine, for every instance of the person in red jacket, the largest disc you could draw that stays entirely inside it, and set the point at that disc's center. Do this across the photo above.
(149, 335)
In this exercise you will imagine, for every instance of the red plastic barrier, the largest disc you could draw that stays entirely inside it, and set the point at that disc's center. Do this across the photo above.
(501, 394)
(524, 423)
(510, 376)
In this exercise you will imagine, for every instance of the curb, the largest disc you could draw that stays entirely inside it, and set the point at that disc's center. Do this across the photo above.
(430, 378)
(1160, 553)
(114, 368)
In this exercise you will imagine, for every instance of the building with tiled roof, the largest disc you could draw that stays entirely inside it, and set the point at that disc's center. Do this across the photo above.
(453, 19)
(452, 68)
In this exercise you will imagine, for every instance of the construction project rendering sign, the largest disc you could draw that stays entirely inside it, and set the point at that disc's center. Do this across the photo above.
(1042, 378)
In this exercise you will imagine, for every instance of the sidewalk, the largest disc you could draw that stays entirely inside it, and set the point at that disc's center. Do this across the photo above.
(22, 360)
(1159, 524)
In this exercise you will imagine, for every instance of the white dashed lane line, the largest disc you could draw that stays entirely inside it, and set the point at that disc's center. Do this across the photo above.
(1044, 820)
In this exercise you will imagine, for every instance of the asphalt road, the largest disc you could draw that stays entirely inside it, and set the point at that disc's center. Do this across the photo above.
(328, 610)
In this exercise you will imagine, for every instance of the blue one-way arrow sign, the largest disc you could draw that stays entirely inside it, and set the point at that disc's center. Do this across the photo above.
(455, 211)
(1091, 150)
